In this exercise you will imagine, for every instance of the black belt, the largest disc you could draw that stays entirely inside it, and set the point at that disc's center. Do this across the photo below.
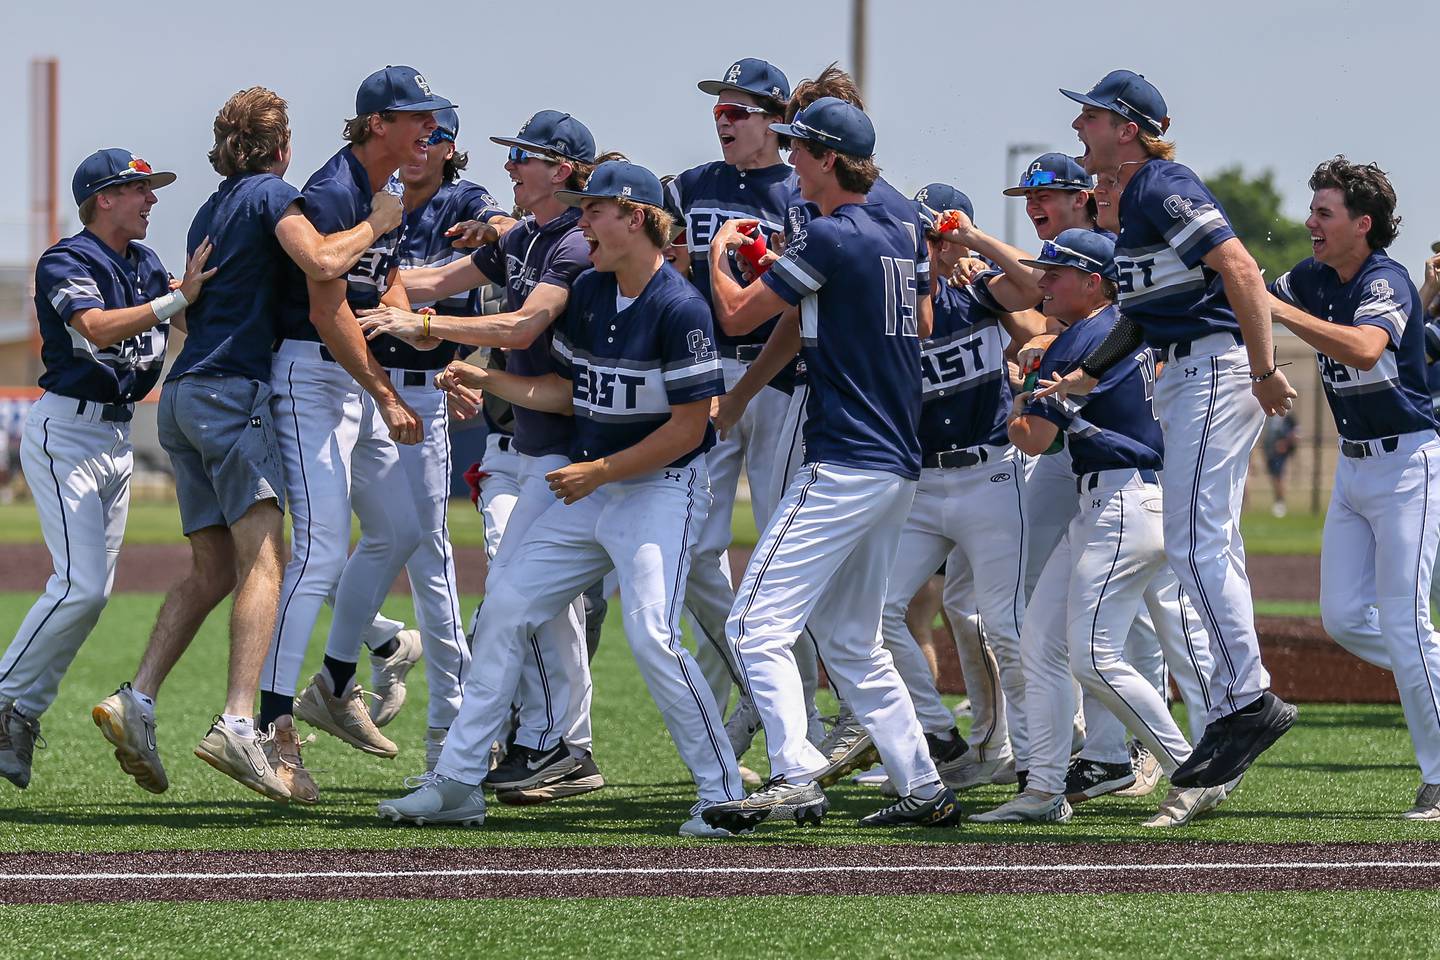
(1180, 349)
(504, 443)
(112, 412)
(1148, 476)
(1359, 450)
(325, 353)
(415, 378)
(955, 458)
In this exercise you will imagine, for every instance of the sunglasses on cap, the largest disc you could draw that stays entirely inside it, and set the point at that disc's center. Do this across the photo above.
(1049, 178)
(1050, 250)
(439, 136)
(136, 164)
(518, 155)
(735, 112)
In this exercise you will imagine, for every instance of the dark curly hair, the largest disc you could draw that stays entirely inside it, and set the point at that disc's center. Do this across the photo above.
(1367, 192)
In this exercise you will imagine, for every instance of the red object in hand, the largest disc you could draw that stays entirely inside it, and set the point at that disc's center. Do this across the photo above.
(950, 221)
(754, 250)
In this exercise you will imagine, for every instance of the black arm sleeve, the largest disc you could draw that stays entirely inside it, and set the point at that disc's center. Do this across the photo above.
(1123, 340)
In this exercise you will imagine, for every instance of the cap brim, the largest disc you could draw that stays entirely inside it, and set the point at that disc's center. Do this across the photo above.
(717, 87)
(158, 179)
(573, 198)
(535, 148)
(1021, 191)
(423, 106)
(1086, 99)
(1043, 264)
(788, 130)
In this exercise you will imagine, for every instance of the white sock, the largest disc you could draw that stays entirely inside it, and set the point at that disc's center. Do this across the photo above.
(928, 791)
(240, 726)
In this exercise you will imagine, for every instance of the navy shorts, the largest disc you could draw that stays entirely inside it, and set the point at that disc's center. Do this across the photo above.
(220, 437)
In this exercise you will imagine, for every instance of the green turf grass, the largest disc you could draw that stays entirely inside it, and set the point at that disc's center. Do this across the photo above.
(1072, 927)
(1344, 773)
(159, 522)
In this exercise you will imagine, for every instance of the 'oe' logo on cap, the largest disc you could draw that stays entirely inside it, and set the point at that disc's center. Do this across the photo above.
(420, 82)
(734, 75)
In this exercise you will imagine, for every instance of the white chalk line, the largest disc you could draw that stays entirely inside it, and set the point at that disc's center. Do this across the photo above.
(916, 868)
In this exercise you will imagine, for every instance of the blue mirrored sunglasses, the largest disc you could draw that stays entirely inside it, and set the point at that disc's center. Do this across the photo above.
(518, 155)
(439, 136)
(1039, 178)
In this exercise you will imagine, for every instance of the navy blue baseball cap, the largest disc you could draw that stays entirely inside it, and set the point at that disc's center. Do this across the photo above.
(617, 180)
(935, 198)
(1132, 96)
(1079, 248)
(555, 133)
(448, 120)
(759, 78)
(399, 89)
(835, 124)
(1053, 171)
(106, 168)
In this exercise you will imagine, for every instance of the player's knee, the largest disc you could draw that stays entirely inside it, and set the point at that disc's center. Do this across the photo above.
(1089, 671)
(86, 597)
(1344, 619)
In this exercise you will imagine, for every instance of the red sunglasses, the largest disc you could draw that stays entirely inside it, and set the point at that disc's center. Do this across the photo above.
(735, 112)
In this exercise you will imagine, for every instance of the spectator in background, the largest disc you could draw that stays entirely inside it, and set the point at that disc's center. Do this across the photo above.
(1280, 439)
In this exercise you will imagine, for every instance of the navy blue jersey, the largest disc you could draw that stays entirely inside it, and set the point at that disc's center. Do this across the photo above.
(967, 389)
(1393, 396)
(1113, 426)
(337, 198)
(425, 245)
(855, 275)
(231, 330)
(80, 273)
(1169, 221)
(706, 196)
(630, 363)
(527, 256)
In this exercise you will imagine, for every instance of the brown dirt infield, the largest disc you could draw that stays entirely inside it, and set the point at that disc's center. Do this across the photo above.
(717, 869)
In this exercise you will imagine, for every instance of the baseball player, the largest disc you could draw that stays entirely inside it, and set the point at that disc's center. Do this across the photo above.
(1110, 560)
(750, 182)
(437, 200)
(1190, 289)
(105, 305)
(637, 366)
(861, 280)
(215, 422)
(537, 261)
(1361, 313)
(338, 418)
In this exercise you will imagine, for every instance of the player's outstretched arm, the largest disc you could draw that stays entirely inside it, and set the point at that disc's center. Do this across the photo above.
(671, 440)
(780, 348)
(511, 331)
(1017, 288)
(105, 328)
(326, 257)
(1359, 347)
(1245, 288)
(446, 280)
(549, 393)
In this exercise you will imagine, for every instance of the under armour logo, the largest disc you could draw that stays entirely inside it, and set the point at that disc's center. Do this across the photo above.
(1381, 290)
(733, 76)
(420, 82)
(671, 475)
(1095, 504)
(255, 421)
(1181, 208)
(1191, 372)
(699, 346)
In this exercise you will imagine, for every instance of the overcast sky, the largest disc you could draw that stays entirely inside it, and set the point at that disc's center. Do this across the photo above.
(1275, 84)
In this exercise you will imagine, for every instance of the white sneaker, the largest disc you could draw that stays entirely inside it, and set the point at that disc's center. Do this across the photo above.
(1181, 805)
(437, 799)
(697, 827)
(387, 676)
(1147, 772)
(1029, 808)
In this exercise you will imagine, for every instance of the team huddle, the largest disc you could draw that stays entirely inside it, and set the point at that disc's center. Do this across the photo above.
(1063, 435)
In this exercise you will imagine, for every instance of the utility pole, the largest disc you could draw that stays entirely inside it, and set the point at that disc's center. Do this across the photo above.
(44, 172)
(857, 43)
(1012, 151)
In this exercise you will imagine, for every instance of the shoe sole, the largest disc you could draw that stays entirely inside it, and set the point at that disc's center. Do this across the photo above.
(863, 759)
(1100, 790)
(954, 818)
(321, 721)
(1061, 817)
(1211, 776)
(743, 821)
(554, 791)
(258, 786)
(395, 816)
(114, 731)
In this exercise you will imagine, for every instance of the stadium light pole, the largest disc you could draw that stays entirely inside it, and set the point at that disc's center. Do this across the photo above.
(1013, 150)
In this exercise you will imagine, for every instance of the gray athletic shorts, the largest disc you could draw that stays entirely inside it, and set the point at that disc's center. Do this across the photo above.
(220, 437)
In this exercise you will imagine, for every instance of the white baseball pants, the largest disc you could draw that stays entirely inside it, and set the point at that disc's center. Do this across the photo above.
(989, 728)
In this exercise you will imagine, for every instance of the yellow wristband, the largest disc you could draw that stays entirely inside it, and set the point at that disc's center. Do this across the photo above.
(426, 327)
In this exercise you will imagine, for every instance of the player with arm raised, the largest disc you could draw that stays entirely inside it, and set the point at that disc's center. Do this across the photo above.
(1190, 289)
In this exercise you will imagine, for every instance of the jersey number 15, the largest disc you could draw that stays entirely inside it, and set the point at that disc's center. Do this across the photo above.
(899, 297)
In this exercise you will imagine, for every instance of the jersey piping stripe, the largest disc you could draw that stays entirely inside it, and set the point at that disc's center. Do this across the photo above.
(1017, 600)
(1190, 649)
(672, 624)
(992, 676)
(309, 537)
(544, 691)
(1422, 598)
(447, 559)
(65, 530)
(1190, 558)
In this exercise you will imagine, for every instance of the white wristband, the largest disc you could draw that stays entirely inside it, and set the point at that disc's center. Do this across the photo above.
(167, 306)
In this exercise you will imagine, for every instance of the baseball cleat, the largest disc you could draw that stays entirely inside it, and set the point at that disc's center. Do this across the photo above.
(1088, 779)
(697, 827)
(19, 735)
(742, 725)
(583, 777)
(1182, 805)
(974, 769)
(1427, 803)
(1147, 772)
(1029, 808)
(805, 802)
(242, 759)
(387, 676)
(130, 728)
(526, 767)
(344, 717)
(436, 799)
(282, 750)
(1233, 742)
(847, 747)
(941, 810)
